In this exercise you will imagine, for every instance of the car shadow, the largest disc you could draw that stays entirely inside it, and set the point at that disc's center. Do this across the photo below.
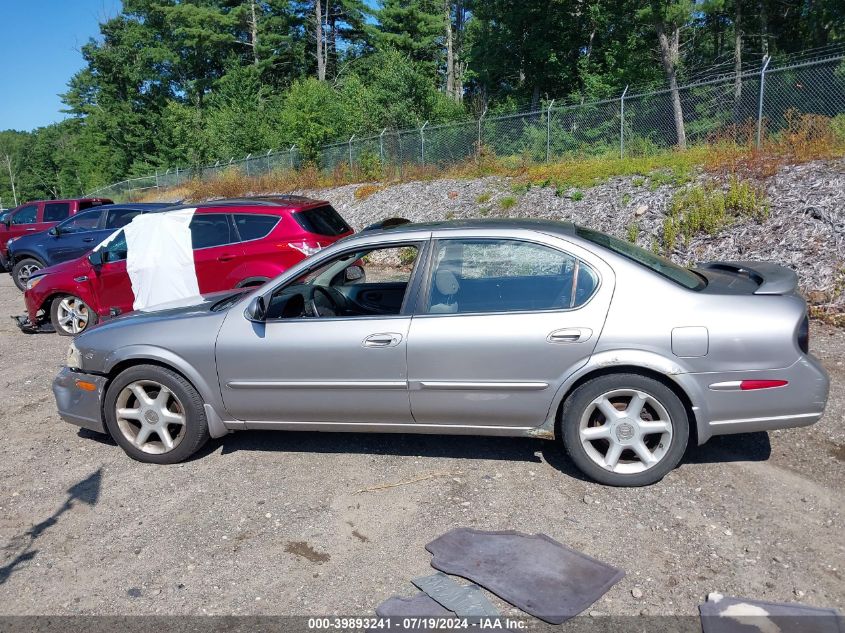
(720, 449)
(520, 449)
(85, 491)
(742, 447)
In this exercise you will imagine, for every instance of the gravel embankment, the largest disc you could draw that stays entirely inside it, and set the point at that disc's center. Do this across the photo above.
(805, 228)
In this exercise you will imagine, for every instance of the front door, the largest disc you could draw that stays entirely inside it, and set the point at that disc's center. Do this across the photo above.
(24, 221)
(110, 282)
(504, 322)
(329, 350)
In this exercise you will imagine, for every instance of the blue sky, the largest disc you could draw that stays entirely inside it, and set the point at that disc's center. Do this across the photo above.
(39, 51)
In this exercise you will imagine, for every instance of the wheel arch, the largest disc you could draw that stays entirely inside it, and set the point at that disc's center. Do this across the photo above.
(15, 257)
(595, 371)
(167, 360)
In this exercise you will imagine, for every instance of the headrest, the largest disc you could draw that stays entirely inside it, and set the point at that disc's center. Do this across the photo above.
(446, 282)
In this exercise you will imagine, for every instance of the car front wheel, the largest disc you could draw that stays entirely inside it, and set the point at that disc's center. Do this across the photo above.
(625, 429)
(155, 415)
(71, 315)
(23, 270)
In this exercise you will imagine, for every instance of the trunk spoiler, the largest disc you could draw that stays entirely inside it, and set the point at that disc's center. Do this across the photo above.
(771, 279)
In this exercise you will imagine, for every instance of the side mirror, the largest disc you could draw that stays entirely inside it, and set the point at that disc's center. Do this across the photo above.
(55, 231)
(96, 259)
(257, 309)
(354, 273)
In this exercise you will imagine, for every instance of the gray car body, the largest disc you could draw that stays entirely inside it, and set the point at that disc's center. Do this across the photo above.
(486, 374)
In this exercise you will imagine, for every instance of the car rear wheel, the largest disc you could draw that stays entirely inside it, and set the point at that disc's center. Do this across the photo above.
(625, 429)
(155, 415)
(71, 315)
(23, 270)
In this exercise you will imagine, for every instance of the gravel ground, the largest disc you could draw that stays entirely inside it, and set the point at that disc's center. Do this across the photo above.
(264, 523)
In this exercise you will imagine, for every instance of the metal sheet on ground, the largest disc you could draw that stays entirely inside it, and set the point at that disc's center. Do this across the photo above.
(465, 600)
(738, 615)
(534, 573)
(419, 605)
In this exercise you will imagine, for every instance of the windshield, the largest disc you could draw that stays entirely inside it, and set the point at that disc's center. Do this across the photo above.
(658, 264)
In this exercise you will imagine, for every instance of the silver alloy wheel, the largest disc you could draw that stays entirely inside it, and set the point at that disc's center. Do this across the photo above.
(25, 272)
(150, 416)
(626, 431)
(73, 315)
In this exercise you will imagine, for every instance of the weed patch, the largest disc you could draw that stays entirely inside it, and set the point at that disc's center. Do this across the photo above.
(708, 208)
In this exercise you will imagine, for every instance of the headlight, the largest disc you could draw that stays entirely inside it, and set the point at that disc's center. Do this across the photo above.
(33, 281)
(74, 358)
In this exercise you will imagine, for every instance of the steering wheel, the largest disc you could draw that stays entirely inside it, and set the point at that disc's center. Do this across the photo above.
(324, 302)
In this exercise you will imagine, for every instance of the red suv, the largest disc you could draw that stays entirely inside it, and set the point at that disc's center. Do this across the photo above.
(236, 243)
(37, 216)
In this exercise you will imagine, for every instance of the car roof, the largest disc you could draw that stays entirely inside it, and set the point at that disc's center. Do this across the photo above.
(545, 226)
(139, 206)
(255, 204)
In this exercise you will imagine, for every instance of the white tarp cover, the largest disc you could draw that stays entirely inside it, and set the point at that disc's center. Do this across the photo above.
(160, 258)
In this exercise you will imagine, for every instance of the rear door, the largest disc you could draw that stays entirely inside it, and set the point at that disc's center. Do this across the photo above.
(52, 213)
(502, 324)
(217, 252)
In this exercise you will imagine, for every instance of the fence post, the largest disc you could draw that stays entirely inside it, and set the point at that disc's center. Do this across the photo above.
(549, 129)
(246, 162)
(351, 138)
(422, 143)
(766, 60)
(622, 123)
(291, 150)
(156, 179)
(381, 147)
(480, 119)
(269, 151)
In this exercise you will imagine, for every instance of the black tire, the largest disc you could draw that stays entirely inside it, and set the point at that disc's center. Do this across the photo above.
(580, 402)
(62, 330)
(196, 424)
(25, 268)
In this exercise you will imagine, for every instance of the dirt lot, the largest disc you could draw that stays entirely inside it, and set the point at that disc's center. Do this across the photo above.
(264, 523)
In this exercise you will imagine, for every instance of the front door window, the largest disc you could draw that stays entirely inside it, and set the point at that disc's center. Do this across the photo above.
(366, 282)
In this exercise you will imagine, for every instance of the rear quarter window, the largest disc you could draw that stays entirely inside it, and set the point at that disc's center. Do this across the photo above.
(254, 227)
(322, 221)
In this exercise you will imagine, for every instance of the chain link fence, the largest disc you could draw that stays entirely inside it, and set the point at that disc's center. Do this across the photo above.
(759, 101)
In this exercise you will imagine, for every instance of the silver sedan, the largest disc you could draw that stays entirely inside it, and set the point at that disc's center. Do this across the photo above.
(509, 328)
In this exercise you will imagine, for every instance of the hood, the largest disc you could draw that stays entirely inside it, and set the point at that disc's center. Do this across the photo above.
(72, 267)
(180, 308)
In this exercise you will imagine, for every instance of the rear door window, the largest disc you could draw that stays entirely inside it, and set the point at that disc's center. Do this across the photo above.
(493, 275)
(26, 215)
(118, 218)
(322, 221)
(254, 227)
(56, 211)
(211, 229)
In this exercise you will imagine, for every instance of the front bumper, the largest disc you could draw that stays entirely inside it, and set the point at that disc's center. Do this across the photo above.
(78, 406)
(800, 403)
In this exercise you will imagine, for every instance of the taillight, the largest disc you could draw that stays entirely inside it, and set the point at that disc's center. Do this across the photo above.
(803, 335)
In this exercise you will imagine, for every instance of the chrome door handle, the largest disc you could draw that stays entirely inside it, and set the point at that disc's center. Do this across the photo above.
(570, 335)
(386, 339)
(32, 229)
